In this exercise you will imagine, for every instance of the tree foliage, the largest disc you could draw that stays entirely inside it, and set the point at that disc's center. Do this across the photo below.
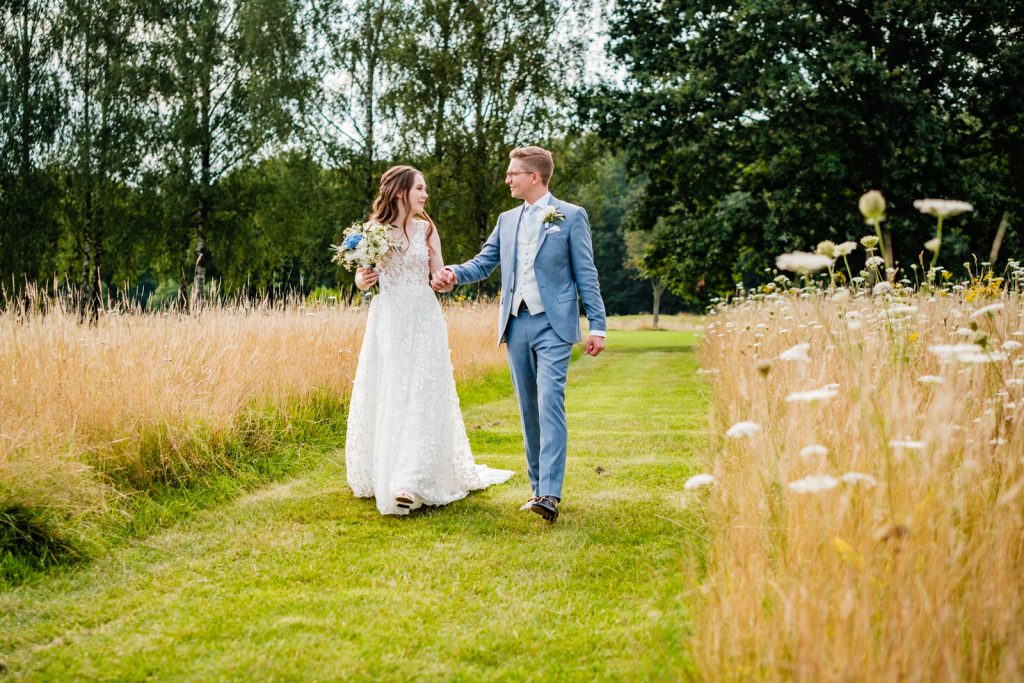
(757, 125)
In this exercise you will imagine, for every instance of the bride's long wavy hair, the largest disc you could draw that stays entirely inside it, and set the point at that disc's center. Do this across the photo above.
(395, 184)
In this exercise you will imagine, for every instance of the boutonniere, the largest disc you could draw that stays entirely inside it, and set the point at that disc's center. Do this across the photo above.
(550, 215)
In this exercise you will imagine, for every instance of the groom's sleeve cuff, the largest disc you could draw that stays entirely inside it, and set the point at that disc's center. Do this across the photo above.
(598, 333)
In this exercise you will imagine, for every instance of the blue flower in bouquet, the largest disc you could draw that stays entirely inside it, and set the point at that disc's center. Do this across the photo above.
(364, 245)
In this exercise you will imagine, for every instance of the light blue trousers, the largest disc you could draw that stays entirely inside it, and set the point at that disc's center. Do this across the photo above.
(539, 361)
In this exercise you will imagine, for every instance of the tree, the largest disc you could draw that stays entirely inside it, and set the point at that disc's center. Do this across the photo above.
(475, 80)
(349, 116)
(30, 115)
(638, 251)
(759, 124)
(103, 132)
(230, 83)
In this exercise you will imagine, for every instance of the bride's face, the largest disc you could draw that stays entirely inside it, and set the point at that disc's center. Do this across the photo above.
(418, 194)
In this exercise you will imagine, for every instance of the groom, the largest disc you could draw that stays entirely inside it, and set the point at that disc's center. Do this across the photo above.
(545, 253)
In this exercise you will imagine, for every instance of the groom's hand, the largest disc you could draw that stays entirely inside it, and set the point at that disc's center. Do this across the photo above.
(443, 280)
(595, 345)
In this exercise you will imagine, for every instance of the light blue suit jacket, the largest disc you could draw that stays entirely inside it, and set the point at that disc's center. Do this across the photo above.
(563, 266)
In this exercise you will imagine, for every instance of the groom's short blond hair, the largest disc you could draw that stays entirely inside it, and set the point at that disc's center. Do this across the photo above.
(535, 159)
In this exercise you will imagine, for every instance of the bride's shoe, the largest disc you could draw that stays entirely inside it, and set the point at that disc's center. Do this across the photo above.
(408, 500)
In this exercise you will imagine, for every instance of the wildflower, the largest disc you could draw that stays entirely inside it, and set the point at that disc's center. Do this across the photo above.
(1012, 345)
(845, 249)
(708, 371)
(797, 353)
(882, 288)
(858, 478)
(813, 451)
(874, 262)
(742, 429)
(872, 206)
(802, 262)
(931, 379)
(812, 395)
(813, 484)
(933, 244)
(942, 208)
(698, 481)
(842, 294)
(907, 444)
(951, 352)
(978, 358)
(826, 248)
(991, 308)
(869, 241)
(901, 309)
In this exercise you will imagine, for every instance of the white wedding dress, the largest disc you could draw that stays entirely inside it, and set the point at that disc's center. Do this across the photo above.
(405, 428)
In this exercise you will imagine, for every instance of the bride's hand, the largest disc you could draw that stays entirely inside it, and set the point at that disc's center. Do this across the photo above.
(366, 278)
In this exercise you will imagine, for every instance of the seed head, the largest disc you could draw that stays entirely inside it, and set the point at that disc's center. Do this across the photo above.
(872, 206)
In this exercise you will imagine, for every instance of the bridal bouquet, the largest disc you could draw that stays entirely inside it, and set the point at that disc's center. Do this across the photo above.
(365, 244)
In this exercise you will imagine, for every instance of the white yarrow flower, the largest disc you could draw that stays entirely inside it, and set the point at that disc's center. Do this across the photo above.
(699, 481)
(943, 208)
(991, 308)
(931, 379)
(874, 262)
(802, 262)
(1012, 345)
(933, 244)
(814, 484)
(813, 451)
(797, 353)
(858, 478)
(742, 429)
(907, 444)
(845, 249)
(812, 395)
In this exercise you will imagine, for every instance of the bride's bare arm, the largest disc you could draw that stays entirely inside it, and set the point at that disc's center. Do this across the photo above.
(434, 245)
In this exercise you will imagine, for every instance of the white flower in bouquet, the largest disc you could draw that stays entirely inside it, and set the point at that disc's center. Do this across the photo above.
(365, 245)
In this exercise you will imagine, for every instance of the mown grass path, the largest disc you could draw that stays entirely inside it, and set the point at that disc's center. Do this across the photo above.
(299, 581)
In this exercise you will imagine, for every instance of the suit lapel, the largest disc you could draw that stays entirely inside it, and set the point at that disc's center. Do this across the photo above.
(545, 226)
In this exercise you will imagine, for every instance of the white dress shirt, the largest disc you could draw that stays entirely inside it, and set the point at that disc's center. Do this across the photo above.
(530, 226)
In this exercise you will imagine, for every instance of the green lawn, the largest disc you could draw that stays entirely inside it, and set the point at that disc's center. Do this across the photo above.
(300, 581)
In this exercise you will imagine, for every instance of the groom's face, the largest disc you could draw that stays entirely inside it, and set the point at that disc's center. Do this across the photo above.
(520, 179)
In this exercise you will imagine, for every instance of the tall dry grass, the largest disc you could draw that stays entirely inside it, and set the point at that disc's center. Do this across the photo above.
(91, 413)
(917, 578)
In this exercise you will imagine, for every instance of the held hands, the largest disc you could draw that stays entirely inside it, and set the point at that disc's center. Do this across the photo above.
(366, 278)
(442, 280)
(595, 345)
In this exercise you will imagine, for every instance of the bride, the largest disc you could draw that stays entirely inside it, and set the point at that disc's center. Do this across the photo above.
(406, 443)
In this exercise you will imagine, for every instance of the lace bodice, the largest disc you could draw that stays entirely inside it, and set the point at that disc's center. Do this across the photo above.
(410, 267)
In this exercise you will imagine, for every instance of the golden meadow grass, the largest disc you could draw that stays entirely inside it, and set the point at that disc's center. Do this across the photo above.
(919, 576)
(139, 398)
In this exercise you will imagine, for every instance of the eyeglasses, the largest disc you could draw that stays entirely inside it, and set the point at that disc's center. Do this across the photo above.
(512, 173)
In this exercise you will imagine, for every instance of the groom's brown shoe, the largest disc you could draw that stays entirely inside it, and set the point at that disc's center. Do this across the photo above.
(546, 507)
(528, 505)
